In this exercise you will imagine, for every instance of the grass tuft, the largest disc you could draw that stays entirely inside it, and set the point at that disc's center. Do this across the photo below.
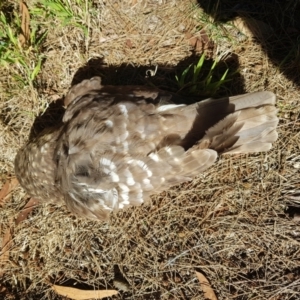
(195, 81)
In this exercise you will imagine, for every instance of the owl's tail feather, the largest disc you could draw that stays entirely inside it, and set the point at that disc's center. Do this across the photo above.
(251, 128)
(245, 124)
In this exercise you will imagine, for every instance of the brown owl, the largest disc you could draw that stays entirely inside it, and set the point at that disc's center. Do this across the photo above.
(118, 145)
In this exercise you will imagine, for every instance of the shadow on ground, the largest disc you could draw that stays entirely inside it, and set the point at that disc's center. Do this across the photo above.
(281, 40)
(163, 79)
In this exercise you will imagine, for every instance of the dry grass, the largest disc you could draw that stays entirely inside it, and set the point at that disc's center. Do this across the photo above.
(237, 223)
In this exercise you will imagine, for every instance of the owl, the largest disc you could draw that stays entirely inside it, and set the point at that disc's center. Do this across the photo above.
(118, 145)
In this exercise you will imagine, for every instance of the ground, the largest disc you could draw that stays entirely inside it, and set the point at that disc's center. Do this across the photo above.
(238, 223)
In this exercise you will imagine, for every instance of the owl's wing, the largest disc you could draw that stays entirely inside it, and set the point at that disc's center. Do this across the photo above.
(95, 187)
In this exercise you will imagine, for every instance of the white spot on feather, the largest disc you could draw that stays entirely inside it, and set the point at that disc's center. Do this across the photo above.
(105, 161)
(154, 156)
(146, 181)
(129, 178)
(130, 181)
(141, 164)
(114, 177)
(123, 109)
(95, 206)
(149, 173)
(147, 184)
(137, 198)
(140, 196)
(124, 187)
(168, 107)
(73, 150)
(43, 149)
(112, 166)
(169, 150)
(97, 191)
(106, 208)
(125, 145)
(144, 166)
(109, 123)
(106, 171)
(125, 197)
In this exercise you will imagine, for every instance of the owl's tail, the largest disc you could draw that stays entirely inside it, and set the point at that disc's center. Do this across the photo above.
(250, 128)
(241, 124)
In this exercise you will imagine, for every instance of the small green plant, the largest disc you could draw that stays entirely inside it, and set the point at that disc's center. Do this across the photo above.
(194, 81)
(26, 58)
(68, 14)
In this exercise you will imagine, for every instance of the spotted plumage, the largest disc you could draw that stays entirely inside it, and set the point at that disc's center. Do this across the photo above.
(119, 145)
